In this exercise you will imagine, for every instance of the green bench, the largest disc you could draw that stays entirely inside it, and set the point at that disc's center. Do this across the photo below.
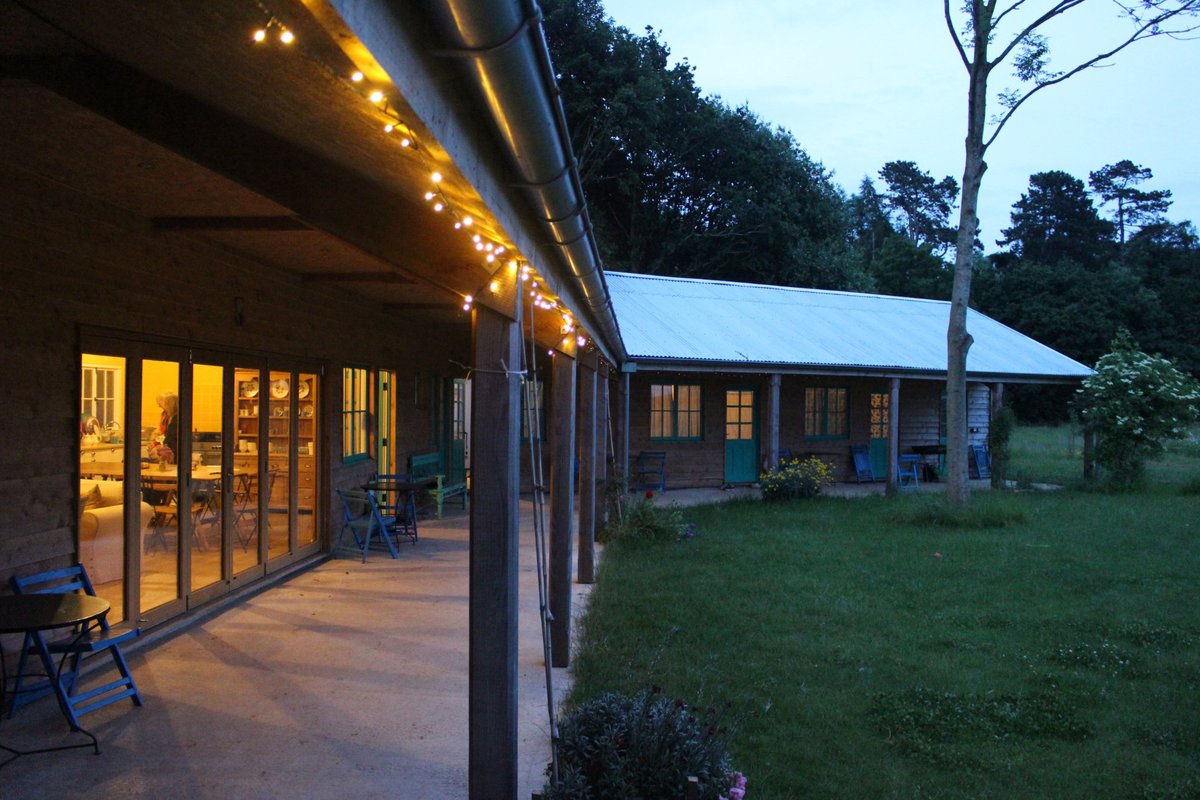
(429, 465)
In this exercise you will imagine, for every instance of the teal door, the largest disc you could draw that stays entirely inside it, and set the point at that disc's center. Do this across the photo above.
(741, 436)
(881, 409)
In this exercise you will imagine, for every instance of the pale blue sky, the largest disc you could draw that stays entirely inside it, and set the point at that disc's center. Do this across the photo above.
(863, 83)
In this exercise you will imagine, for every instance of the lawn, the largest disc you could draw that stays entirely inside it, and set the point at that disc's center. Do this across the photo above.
(1048, 646)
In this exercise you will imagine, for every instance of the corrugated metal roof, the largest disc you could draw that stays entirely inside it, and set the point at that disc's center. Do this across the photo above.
(740, 323)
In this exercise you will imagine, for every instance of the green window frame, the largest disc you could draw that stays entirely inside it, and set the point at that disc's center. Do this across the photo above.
(825, 413)
(676, 412)
(356, 408)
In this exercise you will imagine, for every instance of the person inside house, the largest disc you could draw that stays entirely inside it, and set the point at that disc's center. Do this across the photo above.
(168, 429)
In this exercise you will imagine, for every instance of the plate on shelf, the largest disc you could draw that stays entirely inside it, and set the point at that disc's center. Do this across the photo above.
(250, 388)
(303, 390)
(279, 388)
(306, 410)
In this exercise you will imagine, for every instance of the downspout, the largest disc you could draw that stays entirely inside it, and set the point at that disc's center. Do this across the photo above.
(503, 46)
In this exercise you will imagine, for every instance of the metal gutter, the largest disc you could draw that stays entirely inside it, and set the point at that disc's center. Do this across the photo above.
(503, 47)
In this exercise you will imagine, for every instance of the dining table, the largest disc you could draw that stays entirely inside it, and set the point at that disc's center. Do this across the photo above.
(33, 615)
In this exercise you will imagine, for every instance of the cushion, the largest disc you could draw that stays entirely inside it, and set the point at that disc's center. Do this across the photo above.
(90, 498)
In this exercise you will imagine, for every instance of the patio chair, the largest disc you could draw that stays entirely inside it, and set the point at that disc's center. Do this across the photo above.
(245, 502)
(979, 461)
(74, 648)
(861, 455)
(650, 471)
(908, 471)
(361, 516)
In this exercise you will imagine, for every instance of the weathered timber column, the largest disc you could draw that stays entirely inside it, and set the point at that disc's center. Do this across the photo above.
(623, 417)
(494, 565)
(587, 468)
(773, 421)
(562, 505)
(999, 466)
(604, 449)
(893, 435)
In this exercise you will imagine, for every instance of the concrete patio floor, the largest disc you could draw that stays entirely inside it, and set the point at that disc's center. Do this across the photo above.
(348, 680)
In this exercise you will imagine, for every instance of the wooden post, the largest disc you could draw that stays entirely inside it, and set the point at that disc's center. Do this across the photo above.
(893, 435)
(999, 465)
(494, 564)
(562, 505)
(623, 416)
(603, 447)
(773, 421)
(587, 468)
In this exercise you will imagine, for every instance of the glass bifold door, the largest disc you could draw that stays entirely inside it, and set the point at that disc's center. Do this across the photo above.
(198, 472)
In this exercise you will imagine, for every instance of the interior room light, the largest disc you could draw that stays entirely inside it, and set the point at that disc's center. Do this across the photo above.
(287, 37)
(357, 77)
(457, 225)
(429, 196)
(494, 286)
(477, 238)
(490, 258)
(376, 96)
(260, 35)
(466, 306)
(566, 341)
(405, 142)
(389, 128)
(438, 206)
(468, 221)
(436, 177)
(582, 340)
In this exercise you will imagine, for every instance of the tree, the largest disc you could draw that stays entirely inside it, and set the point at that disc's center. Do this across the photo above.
(1028, 51)
(906, 269)
(1055, 221)
(922, 203)
(869, 222)
(1116, 183)
(1132, 404)
(682, 184)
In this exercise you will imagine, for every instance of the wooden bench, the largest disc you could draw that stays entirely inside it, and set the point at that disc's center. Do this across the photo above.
(426, 465)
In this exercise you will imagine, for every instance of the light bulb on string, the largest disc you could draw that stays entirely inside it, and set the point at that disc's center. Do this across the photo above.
(375, 97)
(286, 36)
(436, 177)
(490, 258)
(438, 206)
(260, 36)
(429, 196)
(494, 286)
(357, 76)
(468, 221)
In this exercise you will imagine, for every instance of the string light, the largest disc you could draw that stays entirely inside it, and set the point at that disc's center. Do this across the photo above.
(395, 124)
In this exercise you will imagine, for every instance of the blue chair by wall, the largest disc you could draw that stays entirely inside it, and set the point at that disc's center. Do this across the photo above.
(650, 471)
(908, 469)
(78, 646)
(398, 508)
(863, 471)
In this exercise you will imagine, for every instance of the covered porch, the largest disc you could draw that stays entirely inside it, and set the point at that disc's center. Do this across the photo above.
(349, 679)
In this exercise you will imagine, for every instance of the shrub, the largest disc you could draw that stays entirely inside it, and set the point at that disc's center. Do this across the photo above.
(795, 478)
(645, 745)
(1133, 403)
(643, 521)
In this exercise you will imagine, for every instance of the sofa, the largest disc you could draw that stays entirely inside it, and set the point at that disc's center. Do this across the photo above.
(102, 528)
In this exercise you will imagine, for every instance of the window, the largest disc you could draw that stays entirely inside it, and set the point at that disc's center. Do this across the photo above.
(825, 413)
(99, 393)
(355, 408)
(675, 411)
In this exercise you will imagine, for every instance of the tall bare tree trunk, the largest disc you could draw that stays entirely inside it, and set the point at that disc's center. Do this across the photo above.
(958, 339)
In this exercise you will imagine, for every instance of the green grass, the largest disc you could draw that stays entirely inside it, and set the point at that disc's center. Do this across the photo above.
(1046, 645)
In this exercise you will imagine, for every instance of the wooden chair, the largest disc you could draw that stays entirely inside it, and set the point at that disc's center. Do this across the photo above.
(907, 471)
(979, 461)
(74, 648)
(361, 516)
(650, 471)
(861, 455)
(424, 465)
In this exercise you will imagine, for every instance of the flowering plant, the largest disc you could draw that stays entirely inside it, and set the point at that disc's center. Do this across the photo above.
(796, 478)
(1133, 403)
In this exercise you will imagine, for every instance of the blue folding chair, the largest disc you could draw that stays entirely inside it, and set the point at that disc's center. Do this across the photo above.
(908, 471)
(363, 519)
(79, 645)
(863, 471)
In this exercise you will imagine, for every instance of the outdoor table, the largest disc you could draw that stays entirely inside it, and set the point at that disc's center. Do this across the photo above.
(32, 614)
